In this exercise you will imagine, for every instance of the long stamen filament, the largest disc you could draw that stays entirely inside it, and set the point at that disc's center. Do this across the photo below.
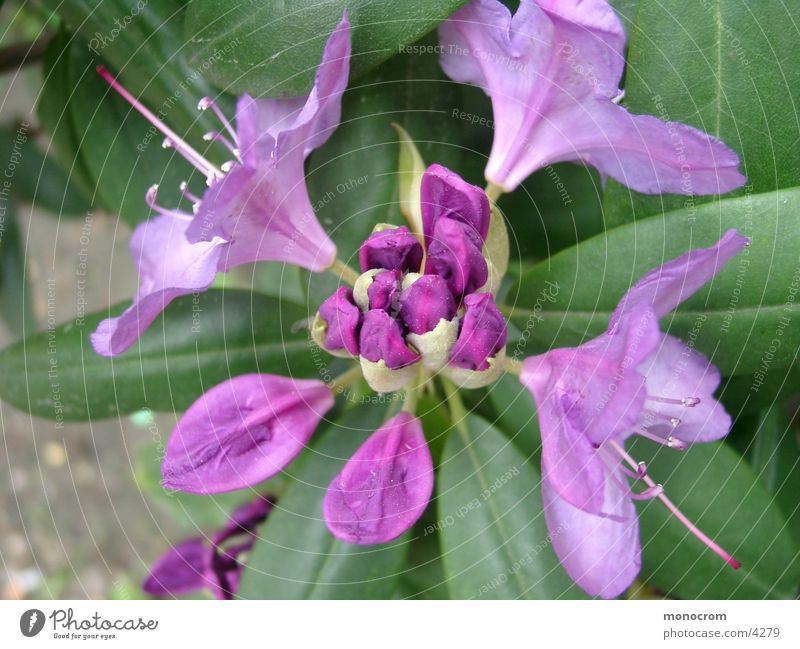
(677, 512)
(181, 146)
(150, 198)
(689, 402)
(206, 103)
(670, 441)
(216, 136)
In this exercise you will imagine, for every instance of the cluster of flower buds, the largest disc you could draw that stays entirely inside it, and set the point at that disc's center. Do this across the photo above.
(419, 300)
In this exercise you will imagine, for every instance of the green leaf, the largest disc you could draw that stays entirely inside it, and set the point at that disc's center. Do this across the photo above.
(495, 544)
(775, 457)
(516, 414)
(739, 320)
(278, 45)
(198, 342)
(15, 299)
(727, 69)
(296, 557)
(719, 492)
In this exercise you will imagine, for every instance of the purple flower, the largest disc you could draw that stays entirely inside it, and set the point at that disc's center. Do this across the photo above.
(197, 564)
(242, 432)
(552, 72)
(483, 333)
(632, 380)
(340, 320)
(427, 301)
(391, 248)
(382, 340)
(256, 207)
(384, 488)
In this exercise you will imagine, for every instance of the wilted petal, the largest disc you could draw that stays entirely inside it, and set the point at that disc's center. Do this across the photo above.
(242, 432)
(382, 340)
(677, 371)
(169, 266)
(181, 570)
(392, 248)
(384, 488)
(455, 254)
(445, 195)
(483, 333)
(602, 554)
(664, 288)
(342, 320)
(265, 214)
(427, 301)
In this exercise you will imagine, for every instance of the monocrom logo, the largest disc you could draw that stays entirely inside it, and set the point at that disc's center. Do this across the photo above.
(31, 622)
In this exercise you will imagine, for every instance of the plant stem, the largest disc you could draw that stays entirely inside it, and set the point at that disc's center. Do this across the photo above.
(458, 413)
(494, 192)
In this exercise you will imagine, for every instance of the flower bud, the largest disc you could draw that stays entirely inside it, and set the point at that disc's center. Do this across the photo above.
(386, 361)
(477, 355)
(455, 254)
(393, 248)
(384, 292)
(425, 303)
(336, 326)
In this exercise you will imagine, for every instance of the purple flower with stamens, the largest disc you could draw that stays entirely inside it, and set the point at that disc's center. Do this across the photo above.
(256, 207)
(552, 72)
(384, 488)
(632, 380)
(242, 432)
(213, 563)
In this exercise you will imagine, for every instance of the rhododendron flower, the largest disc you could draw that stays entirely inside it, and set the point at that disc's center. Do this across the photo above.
(210, 564)
(552, 72)
(632, 380)
(243, 431)
(256, 207)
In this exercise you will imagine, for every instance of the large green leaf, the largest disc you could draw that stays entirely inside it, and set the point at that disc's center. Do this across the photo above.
(728, 67)
(296, 556)
(718, 490)
(198, 342)
(278, 45)
(495, 544)
(739, 319)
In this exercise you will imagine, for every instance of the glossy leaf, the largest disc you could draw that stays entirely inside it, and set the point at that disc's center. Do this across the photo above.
(198, 342)
(727, 67)
(495, 544)
(278, 45)
(739, 320)
(296, 556)
(717, 489)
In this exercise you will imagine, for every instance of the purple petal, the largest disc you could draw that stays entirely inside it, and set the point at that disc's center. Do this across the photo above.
(602, 554)
(242, 432)
(445, 195)
(667, 286)
(455, 254)
(677, 371)
(266, 215)
(392, 249)
(302, 123)
(169, 266)
(382, 339)
(181, 570)
(343, 320)
(427, 301)
(384, 291)
(245, 519)
(384, 488)
(483, 333)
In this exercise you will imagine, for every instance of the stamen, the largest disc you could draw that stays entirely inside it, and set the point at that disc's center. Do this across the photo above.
(181, 146)
(184, 187)
(673, 421)
(205, 103)
(620, 96)
(216, 136)
(689, 402)
(227, 166)
(648, 494)
(670, 442)
(677, 512)
(150, 200)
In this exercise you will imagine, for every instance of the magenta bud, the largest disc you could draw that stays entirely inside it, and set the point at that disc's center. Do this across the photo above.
(483, 333)
(445, 195)
(382, 339)
(425, 303)
(342, 319)
(393, 249)
(384, 291)
(455, 254)
(384, 488)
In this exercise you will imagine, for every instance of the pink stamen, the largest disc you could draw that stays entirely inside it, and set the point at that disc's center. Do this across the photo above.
(677, 512)
(216, 136)
(673, 421)
(205, 103)
(689, 402)
(184, 187)
(150, 200)
(670, 441)
(648, 494)
(181, 146)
